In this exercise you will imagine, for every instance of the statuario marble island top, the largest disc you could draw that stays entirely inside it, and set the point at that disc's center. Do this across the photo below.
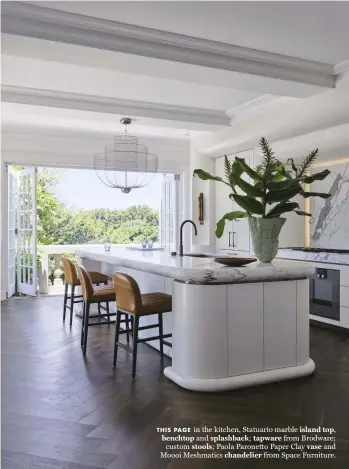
(197, 270)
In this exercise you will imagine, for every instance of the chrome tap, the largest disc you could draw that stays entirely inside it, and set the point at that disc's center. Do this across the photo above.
(181, 235)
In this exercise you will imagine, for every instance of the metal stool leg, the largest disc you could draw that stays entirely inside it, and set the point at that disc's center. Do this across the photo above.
(83, 323)
(65, 301)
(161, 334)
(87, 313)
(127, 319)
(135, 343)
(116, 340)
(72, 304)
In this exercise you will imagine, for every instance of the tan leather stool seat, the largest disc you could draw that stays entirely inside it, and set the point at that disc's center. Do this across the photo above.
(97, 277)
(103, 293)
(153, 303)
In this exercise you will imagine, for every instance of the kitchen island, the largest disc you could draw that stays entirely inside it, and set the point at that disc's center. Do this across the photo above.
(231, 327)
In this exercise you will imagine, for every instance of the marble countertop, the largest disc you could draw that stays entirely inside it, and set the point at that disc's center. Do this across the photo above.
(328, 257)
(197, 270)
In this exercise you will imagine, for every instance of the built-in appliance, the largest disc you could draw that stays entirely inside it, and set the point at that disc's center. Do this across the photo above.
(336, 251)
(324, 293)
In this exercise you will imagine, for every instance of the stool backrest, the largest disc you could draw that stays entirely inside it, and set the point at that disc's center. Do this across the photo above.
(128, 295)
(70, 274)
(86, 283)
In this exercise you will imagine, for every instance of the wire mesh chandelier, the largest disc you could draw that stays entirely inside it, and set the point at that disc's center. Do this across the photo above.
(125, 164)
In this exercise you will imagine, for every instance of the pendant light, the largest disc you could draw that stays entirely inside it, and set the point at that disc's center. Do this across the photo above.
(125, 164)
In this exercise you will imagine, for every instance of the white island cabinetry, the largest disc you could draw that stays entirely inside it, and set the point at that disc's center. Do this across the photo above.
(231, 327)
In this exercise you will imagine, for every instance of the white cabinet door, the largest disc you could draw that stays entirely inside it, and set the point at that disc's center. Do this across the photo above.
(236, 234)
(245, 328)
(223, 205)
(241, 230)
(280, 324)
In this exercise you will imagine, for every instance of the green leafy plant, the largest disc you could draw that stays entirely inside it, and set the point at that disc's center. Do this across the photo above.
(271, 188)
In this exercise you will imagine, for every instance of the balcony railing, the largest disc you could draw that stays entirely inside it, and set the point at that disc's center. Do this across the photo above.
(56, 251)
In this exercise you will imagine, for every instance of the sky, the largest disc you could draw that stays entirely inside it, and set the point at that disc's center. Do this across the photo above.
(81, 189)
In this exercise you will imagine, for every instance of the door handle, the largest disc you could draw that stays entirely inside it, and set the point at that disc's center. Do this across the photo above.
(229, 242)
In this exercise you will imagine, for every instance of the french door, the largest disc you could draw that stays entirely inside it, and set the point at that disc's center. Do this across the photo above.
(11, 233)
(169, 213)
(26, 231)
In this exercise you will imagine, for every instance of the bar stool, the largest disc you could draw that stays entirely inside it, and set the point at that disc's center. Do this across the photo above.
(93, 295)
(72, 279)
(130, 301)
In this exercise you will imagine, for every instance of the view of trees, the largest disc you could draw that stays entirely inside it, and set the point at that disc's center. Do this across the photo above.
(57, 224)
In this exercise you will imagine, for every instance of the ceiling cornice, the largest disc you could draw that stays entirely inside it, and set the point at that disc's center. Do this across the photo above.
(341, 67)
(255, 106)
(45, 23)
(82, 102)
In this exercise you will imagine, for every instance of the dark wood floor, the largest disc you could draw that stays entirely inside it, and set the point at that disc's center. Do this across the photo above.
(62, 412)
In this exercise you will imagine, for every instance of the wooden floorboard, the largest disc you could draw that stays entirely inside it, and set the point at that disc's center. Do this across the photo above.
(61, 411)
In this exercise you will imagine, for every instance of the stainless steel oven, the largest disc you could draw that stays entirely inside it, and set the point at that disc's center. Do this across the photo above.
(324, 293)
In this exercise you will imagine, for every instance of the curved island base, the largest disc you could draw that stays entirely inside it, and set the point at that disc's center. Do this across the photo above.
(237, 335)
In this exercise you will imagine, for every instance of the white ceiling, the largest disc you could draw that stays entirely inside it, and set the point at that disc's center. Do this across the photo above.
(36, 73)
(315, 31)
(309, 30)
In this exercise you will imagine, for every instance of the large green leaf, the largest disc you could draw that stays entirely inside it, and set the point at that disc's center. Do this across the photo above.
(250, 190)
(259, 185)
(283, 207)
(235, 173)
(231, 216)
(249, 204)
(316, 177)
(227, 167)
(281, 185)
(284, 172)
(248, 170)
(306, 195)
(283, 195)
(206, 176)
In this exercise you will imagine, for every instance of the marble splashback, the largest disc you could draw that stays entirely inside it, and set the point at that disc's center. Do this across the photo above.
(329, 225)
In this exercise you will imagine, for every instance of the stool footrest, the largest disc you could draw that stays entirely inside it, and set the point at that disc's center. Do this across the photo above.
(100, 323)
(101, 315)
(165, 342)
(143, 328)
(148, 339)
(125, 347)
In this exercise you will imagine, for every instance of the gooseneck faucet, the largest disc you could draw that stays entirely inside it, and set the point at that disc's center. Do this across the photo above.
(181, 235)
